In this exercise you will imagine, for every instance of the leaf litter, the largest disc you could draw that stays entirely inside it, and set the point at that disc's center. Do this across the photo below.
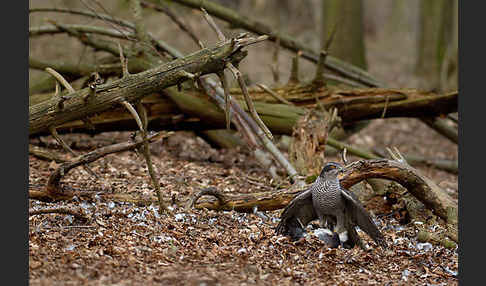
(125, 244)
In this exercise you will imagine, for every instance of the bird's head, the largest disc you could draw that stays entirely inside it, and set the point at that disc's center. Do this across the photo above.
(331, 169)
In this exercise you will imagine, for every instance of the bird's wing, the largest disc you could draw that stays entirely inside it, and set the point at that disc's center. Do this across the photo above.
(299, 212)
(361, 217)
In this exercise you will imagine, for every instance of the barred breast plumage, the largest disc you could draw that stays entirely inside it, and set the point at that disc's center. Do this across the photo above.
(327, 201)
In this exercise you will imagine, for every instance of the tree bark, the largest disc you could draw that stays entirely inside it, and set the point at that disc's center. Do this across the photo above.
(191, 109)
(131, 88)
(347, 18)
(431, 42)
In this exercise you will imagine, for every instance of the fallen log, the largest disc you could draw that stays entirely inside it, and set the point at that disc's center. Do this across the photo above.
(421, 187)
(338, 66)
(190, 109)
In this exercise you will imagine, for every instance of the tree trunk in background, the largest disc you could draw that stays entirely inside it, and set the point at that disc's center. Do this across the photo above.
(449, 66)
(348, 44)
(399, 22)
(434, 34)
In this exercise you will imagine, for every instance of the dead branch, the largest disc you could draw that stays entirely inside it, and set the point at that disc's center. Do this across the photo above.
(279, 118)
(78, 213)
(69, 150)
(209, 192)
(254, 129)
(107, 18)
(142, 124)
(294, 70)
(440, 125)
(71, 70)
(50, 30)
(353, 150)
(275, 95)
(213, 25)
(249, 102)
(340, 67)
(45, 154)
(60, 79)
(227, 99)
(86, 13)
(441, 164)
(418, 185)
(161, 7)
(134, 87)
(53, 189)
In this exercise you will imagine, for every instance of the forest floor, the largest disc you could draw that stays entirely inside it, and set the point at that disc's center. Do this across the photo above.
(126, 244)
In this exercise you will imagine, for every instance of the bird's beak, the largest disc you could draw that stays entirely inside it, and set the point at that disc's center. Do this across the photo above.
(340, 174)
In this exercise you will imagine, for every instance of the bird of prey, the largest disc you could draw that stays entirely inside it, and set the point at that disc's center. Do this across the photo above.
(336, 208)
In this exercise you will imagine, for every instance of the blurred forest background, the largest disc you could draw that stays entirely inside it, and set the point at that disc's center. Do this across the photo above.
(404, 43)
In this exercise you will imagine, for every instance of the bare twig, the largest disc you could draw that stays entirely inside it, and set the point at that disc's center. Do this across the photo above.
(45, 154)
(148, 159)
(48, 29)
(97, 44)
(160, 44)
(53, 189)
(102, 18)
(294, 69)
(78, 213)
(386, 106)
(209, 192)
(134, 113)
(440, 125)
(60, 79)
(227, 98)
(213, 25)
(144, 39)
(161, 7)
(274, 94)
(343, 156)
(319, 79)
(68, 149)
(330, 39)
(355, 151)
(142, 124)
(249, 102)
(124, 61)
(217, 93)
(253, 131)
(442, 164)
(274, 66)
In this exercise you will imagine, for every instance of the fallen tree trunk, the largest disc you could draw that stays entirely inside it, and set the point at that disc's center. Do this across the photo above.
(131, 88)
(166, 110)
(418, 185)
